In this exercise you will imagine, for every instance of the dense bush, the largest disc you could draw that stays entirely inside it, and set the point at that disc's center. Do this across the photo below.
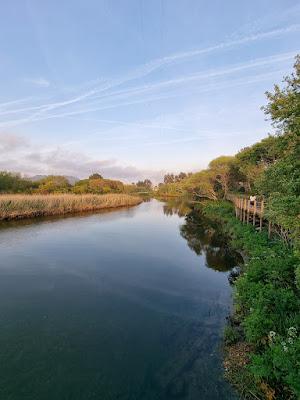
(14, 183)
(267, 300)
(98, 185)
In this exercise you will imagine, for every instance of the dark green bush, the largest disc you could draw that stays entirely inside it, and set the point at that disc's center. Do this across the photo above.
(231, 335)
(267, 303)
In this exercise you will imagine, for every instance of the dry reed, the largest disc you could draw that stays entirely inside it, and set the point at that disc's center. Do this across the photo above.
(18, 206)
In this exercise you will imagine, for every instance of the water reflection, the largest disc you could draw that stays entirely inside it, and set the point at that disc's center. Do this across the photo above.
(113, 306)
(203, 236)
(177, 207)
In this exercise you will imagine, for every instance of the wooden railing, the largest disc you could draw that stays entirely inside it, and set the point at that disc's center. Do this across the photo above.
(249, 211)
(253, 212)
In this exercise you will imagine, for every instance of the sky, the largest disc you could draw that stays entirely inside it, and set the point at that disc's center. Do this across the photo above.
(133, 89)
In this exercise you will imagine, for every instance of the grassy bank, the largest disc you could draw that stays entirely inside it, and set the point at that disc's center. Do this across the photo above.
(262, 337)
(28, 206)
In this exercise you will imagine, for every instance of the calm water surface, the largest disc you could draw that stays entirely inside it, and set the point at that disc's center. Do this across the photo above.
(125, 305)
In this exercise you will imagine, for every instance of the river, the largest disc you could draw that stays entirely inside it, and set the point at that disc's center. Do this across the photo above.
(121, 305)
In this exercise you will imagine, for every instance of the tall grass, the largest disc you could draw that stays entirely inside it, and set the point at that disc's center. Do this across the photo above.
(17, 206)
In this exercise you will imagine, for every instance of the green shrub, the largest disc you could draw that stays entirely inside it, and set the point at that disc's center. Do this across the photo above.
(231, 335)
(267, 303)
(280, 362)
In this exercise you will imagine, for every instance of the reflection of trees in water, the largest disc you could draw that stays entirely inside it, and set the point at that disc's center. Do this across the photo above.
(203, 236)
(176, 207)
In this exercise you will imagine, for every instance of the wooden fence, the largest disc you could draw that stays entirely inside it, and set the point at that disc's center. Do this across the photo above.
(250, 212)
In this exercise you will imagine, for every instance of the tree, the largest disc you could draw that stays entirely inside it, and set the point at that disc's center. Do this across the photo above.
(54, 184)
(171, 189)
(202, 185)
(221, 168)
(169, 178)
(145, 185)
(280, 182)
(284, 104)
(98, 186)
(180, 176)
(14, 183)
(95, 176)
(148, 183)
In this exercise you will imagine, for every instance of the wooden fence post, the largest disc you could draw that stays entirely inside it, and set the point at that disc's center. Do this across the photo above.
(241, 210)
(261, 215)
(248, 210)
(254, 212)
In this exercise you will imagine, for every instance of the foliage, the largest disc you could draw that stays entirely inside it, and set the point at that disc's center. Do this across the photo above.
(13, 183)
(270, 169)
(95, 176)
(202, 184)
(284, 104)
(221, 168)
(54, 184)
(145, 185)
(171, 178)
(170, 189)
(267, 300)
(97, 185)
(280, 360)
(280, 182)
(231, 335)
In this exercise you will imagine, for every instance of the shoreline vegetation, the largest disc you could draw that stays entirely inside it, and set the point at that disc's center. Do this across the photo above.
(261, 339)
(21, 206)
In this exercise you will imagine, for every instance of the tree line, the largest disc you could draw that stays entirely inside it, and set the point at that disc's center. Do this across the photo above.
(269, 168)
(94, 184)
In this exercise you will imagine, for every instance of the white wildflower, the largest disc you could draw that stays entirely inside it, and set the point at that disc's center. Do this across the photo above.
(285, 348)
(272, 336)
(292, 332)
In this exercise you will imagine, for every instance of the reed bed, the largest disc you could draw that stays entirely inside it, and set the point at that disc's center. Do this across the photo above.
(19, 206)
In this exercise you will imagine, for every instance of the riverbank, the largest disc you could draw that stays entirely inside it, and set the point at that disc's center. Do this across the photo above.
(20, 206)
(262, 342)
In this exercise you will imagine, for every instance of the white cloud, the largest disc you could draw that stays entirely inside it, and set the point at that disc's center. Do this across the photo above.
(42, 82)
(10, 142)
(130, 89)
(32, 160)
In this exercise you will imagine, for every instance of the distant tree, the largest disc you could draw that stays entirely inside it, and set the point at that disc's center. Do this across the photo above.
(180, 176)
(54, 184)
(169, 178)
(14, 183)
(130, 188)
(146, 184)
(98, 186)
(95, 176)
(81, 186)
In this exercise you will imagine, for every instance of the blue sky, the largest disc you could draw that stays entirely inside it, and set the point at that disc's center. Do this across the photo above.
(135, 88)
